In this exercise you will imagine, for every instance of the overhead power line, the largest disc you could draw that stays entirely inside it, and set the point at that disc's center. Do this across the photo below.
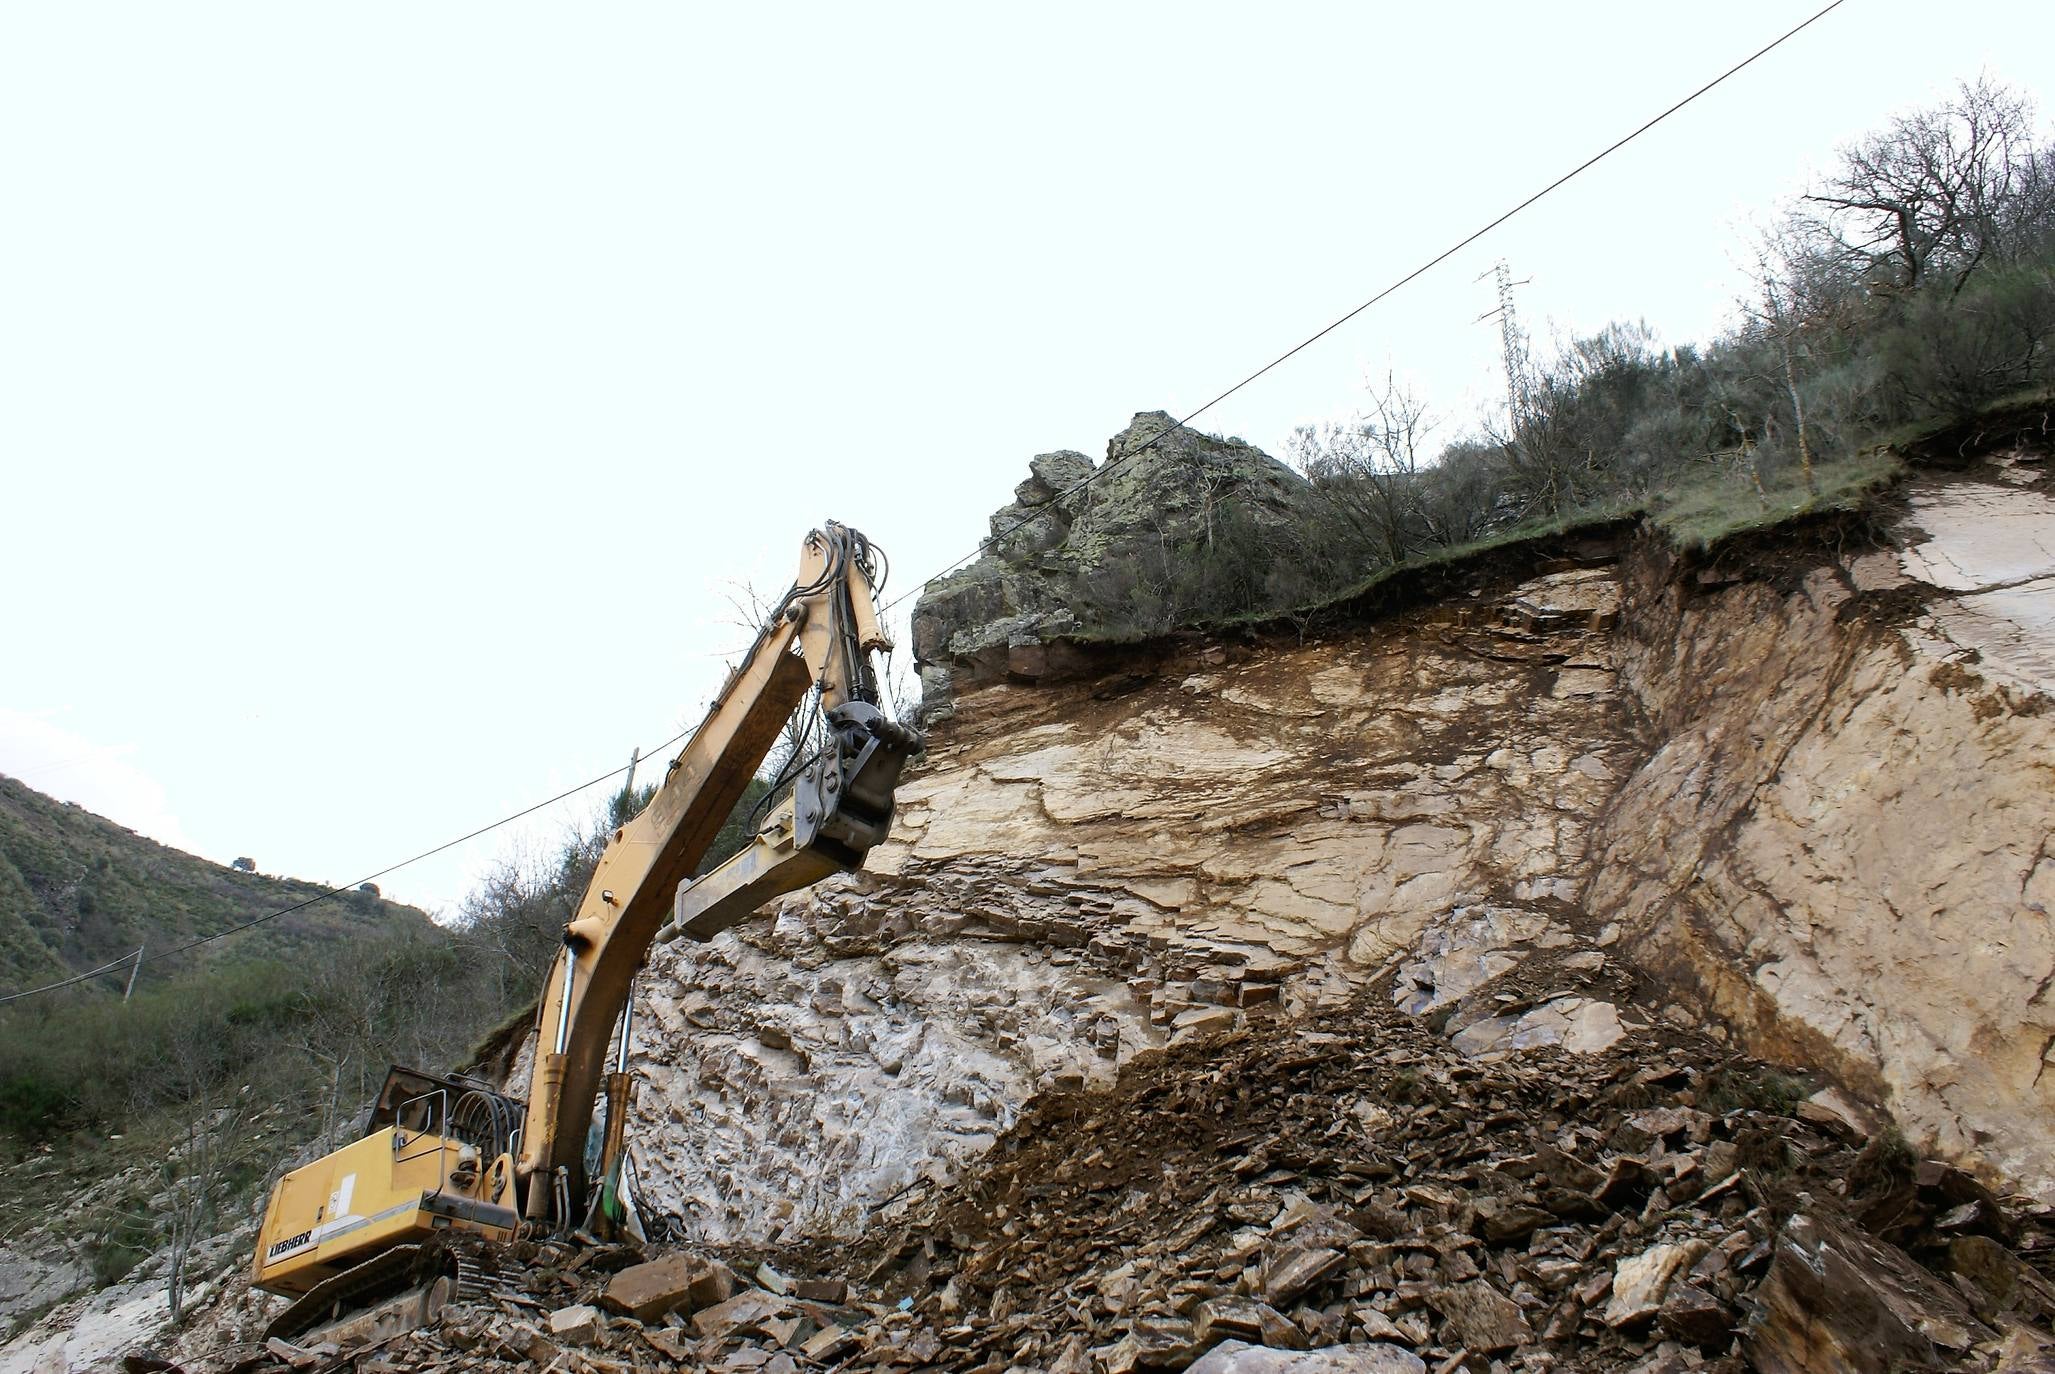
(1409, 277)
(1066, 493)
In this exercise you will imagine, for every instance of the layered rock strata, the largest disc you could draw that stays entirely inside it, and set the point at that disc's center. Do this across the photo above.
(1799, 795)
(1083, 872)
(1843, 834)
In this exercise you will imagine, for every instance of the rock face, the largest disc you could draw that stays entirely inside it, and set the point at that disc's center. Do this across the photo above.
(1771, 798)
(796, 1074)
(1063, 560)
(1072, 880)
(1294, 802)
(1841, 835)
(1817, 796)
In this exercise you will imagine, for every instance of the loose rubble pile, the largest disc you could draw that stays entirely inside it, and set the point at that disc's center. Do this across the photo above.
(1345, 1195)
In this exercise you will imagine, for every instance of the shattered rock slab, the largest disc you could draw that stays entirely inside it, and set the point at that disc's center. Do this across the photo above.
(680, 1282)
(1239, 1357)
(1365, 1184)
(1837, 1301)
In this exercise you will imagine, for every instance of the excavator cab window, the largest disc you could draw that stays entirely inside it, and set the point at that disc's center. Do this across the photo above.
(457, 1107)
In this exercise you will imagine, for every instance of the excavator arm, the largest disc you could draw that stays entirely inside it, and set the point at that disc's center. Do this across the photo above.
(821, 636)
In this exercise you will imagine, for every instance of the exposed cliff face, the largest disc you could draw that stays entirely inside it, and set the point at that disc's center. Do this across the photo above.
(806, 1070)
(1292, 804)
(1778, 796)
(1081, 871)
(1841, 835)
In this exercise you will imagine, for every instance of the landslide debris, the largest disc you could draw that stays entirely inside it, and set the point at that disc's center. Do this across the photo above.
(1341, 1194)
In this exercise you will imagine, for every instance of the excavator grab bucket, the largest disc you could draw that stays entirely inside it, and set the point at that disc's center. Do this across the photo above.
(842, 805)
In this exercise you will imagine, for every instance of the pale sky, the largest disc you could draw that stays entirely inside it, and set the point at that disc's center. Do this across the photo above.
(391, 395)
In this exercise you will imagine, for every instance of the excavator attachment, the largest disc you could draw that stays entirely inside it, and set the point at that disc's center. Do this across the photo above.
(820, 638)
(841, 806)
(843, 803)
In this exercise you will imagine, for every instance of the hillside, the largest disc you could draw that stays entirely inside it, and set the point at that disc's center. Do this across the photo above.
(1579, 899)
(297, 1017)
(1566, 965)
(78, 890)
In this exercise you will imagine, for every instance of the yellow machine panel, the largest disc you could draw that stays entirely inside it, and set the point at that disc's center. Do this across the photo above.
(401, 1183)
(386, 1189)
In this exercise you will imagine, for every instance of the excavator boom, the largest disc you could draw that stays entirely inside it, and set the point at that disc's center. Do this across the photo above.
(821, 635)
(473, 1170)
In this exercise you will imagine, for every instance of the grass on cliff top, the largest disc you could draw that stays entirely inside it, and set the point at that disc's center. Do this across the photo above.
(1694, 514)
(1420, 564)
(2019, 417)
(1698, 513)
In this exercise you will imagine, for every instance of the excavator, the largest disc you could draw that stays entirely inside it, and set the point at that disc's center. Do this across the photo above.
(378, 1235)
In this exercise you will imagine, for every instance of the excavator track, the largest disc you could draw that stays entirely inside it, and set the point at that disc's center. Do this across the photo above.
(455, 1266)
(477, 1264)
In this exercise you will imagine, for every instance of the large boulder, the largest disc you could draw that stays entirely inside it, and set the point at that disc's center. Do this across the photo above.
(1079, 546)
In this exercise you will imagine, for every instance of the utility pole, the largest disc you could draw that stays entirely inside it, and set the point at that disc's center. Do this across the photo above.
(137, 968)
(626, 798)
(1512, 343)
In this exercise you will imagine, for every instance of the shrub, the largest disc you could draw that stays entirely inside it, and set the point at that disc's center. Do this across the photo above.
(1952, 354)
(35, 1105)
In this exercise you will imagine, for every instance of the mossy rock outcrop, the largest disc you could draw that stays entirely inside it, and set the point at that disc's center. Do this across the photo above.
(1070, 548)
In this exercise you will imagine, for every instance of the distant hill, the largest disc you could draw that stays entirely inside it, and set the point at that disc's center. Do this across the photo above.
(77, 890)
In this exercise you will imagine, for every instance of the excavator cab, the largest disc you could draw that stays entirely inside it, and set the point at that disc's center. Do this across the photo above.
(358, 1227)
(464, 1109)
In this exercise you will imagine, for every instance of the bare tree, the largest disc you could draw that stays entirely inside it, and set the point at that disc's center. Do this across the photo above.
(1368, 468)
(198, 1076)
(1939, 190)
(1779, 318)
(517, 914)
(902, 689)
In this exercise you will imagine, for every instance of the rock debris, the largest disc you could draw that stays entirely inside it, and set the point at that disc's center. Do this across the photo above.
(1347, 1193)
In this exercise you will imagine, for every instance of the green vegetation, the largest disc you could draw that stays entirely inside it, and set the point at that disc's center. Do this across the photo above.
(1698, 514)
(307, 1022)
(1912, 291)
(216, 1076)
(126, 1241)
(77, 890)
(1761, 1089)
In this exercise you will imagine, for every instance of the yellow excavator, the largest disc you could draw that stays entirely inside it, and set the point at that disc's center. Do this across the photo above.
(378, 1235)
